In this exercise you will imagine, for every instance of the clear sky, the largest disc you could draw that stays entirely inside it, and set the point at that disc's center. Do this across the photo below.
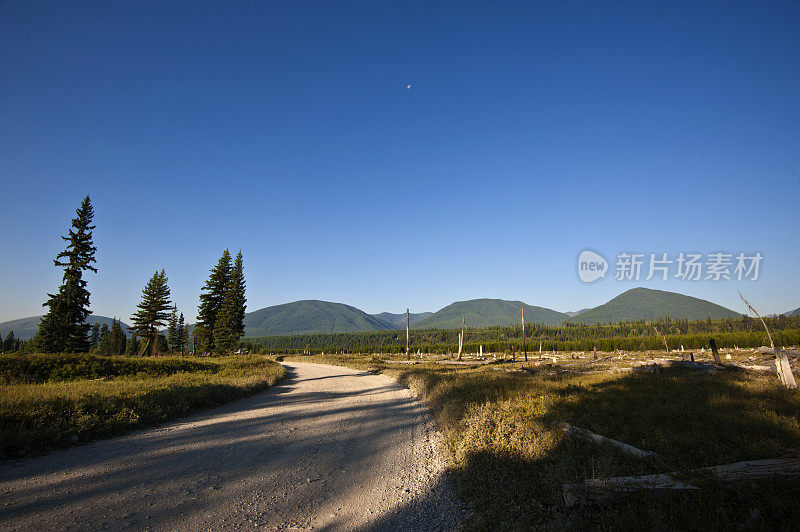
(530, 131)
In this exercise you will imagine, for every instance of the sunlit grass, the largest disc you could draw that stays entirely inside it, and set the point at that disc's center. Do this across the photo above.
(510, 460)
(40, 416)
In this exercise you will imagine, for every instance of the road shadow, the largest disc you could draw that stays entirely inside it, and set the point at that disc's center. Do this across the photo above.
(280, 448)
(511, 459)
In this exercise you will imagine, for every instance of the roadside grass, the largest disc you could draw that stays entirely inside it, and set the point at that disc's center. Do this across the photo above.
(53, 401)
(509, 460)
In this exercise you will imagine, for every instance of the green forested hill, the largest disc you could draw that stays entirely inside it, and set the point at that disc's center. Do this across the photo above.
(649, 305)
(488, 313)
(795, 312)
(25, 328)
(399, 320)
(311, 316)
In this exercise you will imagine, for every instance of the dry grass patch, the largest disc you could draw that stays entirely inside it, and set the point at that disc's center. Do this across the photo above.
(509, 459)
(40, 412)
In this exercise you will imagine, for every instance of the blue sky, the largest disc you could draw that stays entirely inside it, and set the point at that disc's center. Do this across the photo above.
(531, 131)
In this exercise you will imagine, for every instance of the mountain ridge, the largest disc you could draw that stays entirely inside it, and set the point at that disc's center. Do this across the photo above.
(399, 320)
(313, 316)
(310, 316)
(487, 312)
(648, 304)
(26, 328)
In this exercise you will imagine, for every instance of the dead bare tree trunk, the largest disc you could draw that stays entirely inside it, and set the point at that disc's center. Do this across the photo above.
(408, 353)
(714, 350)
(781, 360)
(524, 351)
(461, 337)
(663, 337)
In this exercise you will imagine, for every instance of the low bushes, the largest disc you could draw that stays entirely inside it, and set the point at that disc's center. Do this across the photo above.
(55, 368)
(58, 400)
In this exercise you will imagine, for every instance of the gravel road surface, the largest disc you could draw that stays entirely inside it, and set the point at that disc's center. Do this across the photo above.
(328, 448)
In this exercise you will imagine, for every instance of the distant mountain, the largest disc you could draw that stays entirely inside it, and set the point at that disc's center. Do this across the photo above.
(649, 305)
(576, 312)
(26, 328)
(795, 312)
(310, 317)
(399, 320)
(487, 313)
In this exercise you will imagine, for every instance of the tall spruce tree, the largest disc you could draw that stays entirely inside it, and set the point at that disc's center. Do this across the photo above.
(112, 339)
(104, 344)
(9, 344)
(184, 332)
(95, 336)
(229, 326)
(64, 327)
(153, 312)
(239, 287)
(118, 338)
(132, 346)
(211, 298)
(174, 333)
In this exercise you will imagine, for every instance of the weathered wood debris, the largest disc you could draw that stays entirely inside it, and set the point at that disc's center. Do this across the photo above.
(781, 359)
(584, 434)
(763, 350)
(674, 483)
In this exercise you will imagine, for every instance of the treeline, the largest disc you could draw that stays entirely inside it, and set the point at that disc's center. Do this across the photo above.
(628, 336)
(12, 344)
(220, 317)
(105, 340)
(67, 328)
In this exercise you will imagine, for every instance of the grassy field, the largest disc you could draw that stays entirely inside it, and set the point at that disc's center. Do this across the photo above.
(509, 460)
(53, 401)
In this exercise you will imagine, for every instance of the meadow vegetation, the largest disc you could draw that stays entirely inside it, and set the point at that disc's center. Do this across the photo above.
(509, 459)
(51, 401)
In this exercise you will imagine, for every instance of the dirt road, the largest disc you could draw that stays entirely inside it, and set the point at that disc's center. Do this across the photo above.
(329, 448)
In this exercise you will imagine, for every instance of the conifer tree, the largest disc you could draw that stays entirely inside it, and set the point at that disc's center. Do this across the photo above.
(95, 337)
(230, 320)
(163, 345)
(211, 299)
(117, 338)
(174, 333)
(63, 328)
(112, 339)
(153, 311)
(9, 344)
(132, 346)
(104, 344)
(239, 286)
(184, 334)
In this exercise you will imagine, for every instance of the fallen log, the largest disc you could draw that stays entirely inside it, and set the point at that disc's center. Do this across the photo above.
(755, 367)
(602, 440)
(668, 484)
(763, 350)
(784, 369)
(597, 490)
